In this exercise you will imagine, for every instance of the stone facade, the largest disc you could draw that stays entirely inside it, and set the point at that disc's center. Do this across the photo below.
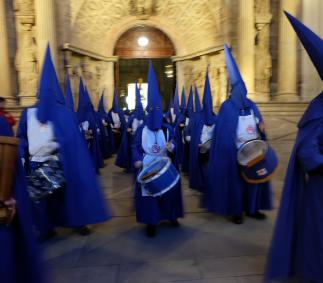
(84, 33)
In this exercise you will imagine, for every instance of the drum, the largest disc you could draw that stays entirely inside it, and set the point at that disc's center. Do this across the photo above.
(8, 158)
(159, 177)
(204, 147)
(258, 161)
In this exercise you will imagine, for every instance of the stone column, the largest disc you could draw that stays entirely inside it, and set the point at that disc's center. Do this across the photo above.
(45, 25)
(287, 54)
(5, 80)
(246, 44)
(311, 82)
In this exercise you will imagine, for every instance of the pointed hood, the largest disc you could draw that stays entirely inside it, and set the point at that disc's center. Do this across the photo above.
(154, 117)
(171, 102)
(101, 108)
(84, 105)
(69, 101)
(207, 102)
(47, 92)
(183, 101)
(198, 107)
(176, 102)
(312, 43)
(115, 107)
(238, 87)
(190, 106)
(139, 110)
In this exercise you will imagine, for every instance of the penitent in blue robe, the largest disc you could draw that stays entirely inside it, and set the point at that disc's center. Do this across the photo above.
(227, 193)
(198, 171)
(124, 156)
(81, 201)
(19, 254)
(152, 210)
(106, 138)
(117, 134)
(297, 244)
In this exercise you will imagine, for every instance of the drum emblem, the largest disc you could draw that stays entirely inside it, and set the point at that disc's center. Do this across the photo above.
(155, 148)
(250, 129)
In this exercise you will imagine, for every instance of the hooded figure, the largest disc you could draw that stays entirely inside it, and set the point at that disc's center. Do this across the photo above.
(20, 258)
(187, 132)
(124, 157)
(48, 132)
(239, 121)
(179, 127)
(154, 140)
(117, 121)
(170, 115)
(202, 129)
(102, 121)
(69, 101)
(297, 244)
(88, 125)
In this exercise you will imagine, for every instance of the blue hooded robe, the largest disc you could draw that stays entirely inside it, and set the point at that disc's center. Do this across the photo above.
(186, 132)
(106, 141)
(80, 202)
(69, 101)
(179, 127)
(227, 193)
(169, 206)
(124, 156)
(198, 163)
(20, 257)
(117, 133)
(297, 244)
(86, 113)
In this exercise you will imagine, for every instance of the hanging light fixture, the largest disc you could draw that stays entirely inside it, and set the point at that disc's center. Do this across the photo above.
(143, 41)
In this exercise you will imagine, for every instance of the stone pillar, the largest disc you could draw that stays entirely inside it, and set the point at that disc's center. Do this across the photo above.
(107, 83)
(246, 44)
(5, 80)
(311, 83)
(45, 25)
(287, 54)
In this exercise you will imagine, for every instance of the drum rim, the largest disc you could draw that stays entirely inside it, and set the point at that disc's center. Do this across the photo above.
(158, 174)
(9, 140)
(247, 142)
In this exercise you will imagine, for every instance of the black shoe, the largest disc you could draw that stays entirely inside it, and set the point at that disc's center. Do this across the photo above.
(237, 219)
(175, 223)
(257, 215)
(151, 231)
(83, 230)
(47, 236)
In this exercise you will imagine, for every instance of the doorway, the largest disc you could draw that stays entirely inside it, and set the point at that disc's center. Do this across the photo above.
(134, 49)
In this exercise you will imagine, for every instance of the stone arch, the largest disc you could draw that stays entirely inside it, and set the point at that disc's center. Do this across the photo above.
(116, 32)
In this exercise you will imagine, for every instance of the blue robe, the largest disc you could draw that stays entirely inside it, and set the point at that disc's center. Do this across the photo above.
(198, 171)
(94, 145)
(227, 193)
(81, 201)
(180, 119)
(152, 210)
(297, 244)
(19, 256)
(106, 140)
(117, 135)
(124, 156)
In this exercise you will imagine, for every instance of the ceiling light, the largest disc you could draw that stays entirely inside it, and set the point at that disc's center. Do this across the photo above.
(143, 41)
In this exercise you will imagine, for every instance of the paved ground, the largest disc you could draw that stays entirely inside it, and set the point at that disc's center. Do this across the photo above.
(205, 249)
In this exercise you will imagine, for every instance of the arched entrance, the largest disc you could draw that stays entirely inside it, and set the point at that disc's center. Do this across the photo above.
(134, 48)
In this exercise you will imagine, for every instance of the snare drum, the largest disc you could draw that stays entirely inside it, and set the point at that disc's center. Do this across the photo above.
(159, 177)
(258, 161)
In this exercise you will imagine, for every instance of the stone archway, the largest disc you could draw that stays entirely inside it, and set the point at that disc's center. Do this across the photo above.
(132, 64)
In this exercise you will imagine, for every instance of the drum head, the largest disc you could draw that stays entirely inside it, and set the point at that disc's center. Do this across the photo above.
(152, 170)
(252, 152)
